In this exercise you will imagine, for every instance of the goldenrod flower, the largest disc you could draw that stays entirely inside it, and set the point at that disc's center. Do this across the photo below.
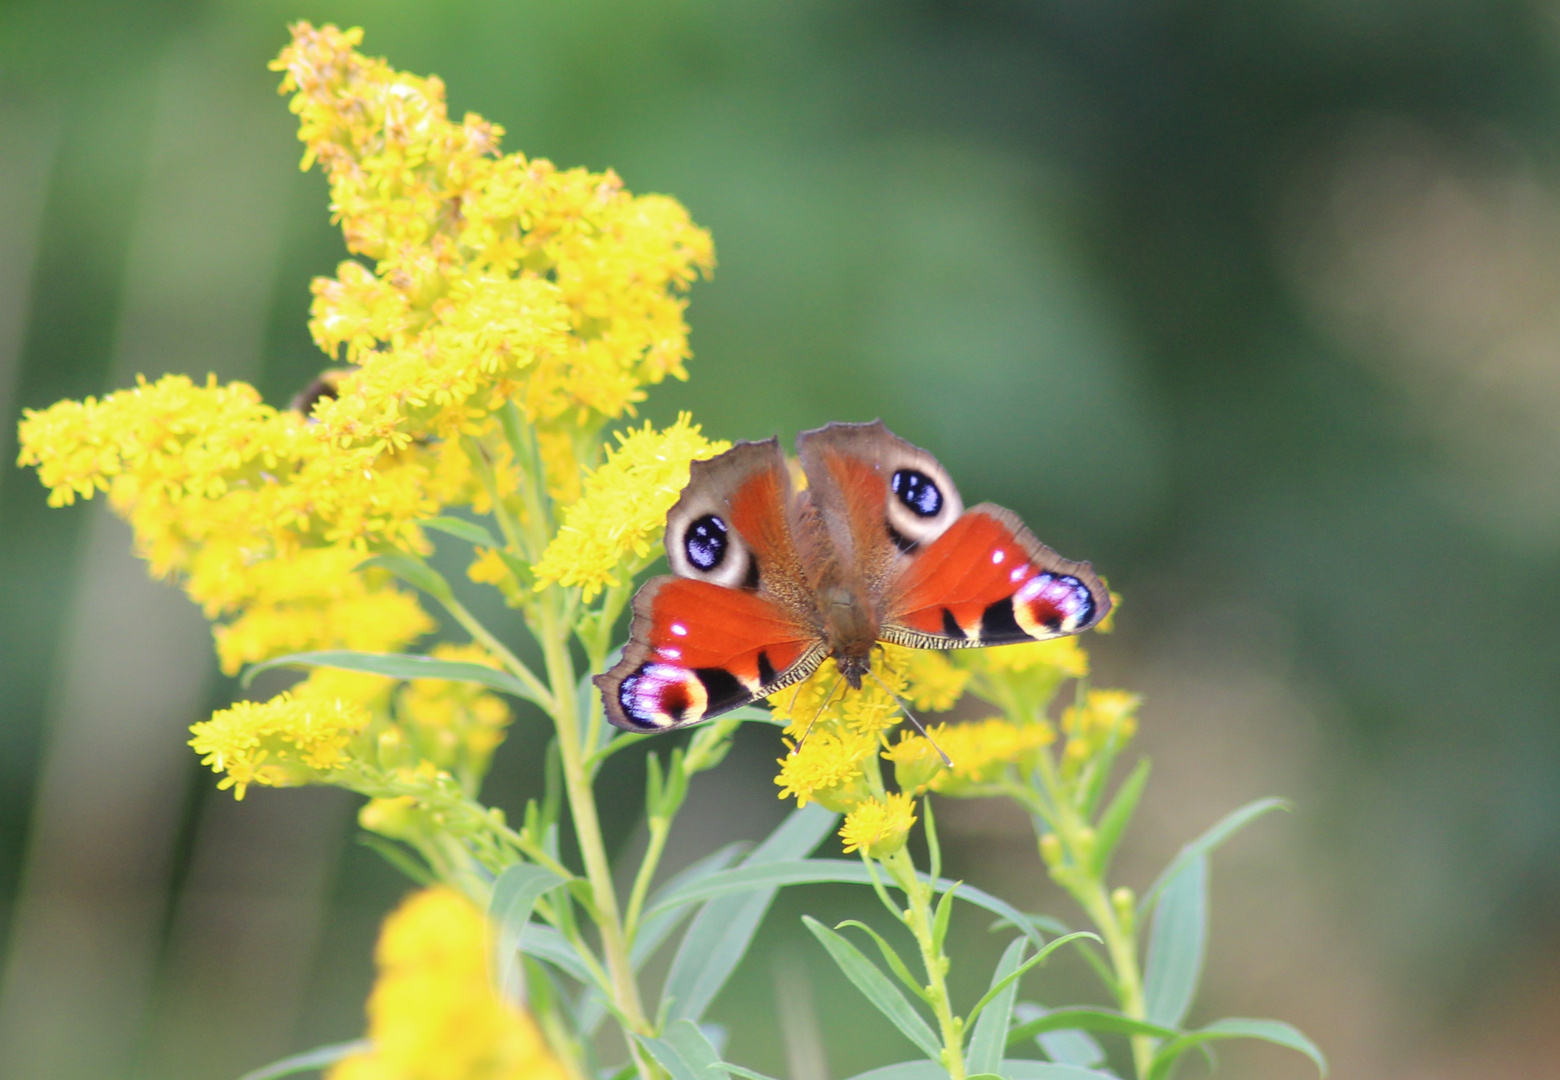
(454, 725)
(879, 828)
(1107, 717)
(828, 769)
(433, 1013)
(1063, 655)
(981, 752)
(279, 743)
(620, 517)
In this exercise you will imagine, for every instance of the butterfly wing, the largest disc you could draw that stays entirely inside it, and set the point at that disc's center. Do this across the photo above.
(738, 621)
(697, 649)
(986, 580)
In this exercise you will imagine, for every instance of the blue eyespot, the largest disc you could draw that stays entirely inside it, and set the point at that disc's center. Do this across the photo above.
(705, 542)
(918, 492)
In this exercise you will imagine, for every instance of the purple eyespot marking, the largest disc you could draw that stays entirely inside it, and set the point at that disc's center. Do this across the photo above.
(1050, 604)
(658, 696)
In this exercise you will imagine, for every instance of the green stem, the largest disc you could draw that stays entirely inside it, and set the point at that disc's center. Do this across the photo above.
(919, 918)
(543, 696)
(587, 826)
(660, 828)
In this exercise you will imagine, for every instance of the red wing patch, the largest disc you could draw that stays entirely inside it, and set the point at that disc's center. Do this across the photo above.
(987, 581)
(697, 649)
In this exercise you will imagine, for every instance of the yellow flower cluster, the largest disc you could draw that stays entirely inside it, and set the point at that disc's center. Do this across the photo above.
(455, 726)
(433, 1013)
(879, 827)
(295, 738)
(980, 750)
(1107, 718)
(1064, 656)
(495, 277)
(616, 524)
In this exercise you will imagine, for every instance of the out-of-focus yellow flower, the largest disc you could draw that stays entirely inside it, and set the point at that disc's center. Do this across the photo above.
(1064, 655)
(931, 680)
(1107, 717)
(879, 828)
(454, 725)
(981, 751)
(279, 743)
(433, 1013)
(620, 517)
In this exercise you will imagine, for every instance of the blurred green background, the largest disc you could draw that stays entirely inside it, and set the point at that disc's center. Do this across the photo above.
(1255, 304)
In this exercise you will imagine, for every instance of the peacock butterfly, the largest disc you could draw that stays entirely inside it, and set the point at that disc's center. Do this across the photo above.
(771, 581)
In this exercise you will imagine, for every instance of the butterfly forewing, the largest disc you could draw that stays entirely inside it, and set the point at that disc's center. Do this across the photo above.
(988, 581)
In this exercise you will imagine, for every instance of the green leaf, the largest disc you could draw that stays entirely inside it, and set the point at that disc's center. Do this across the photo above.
(723, 929)
(465, 530)
(400, 666)
(1117, 816)
(695, 1048)
(746, 1074)
(890, 957)
(1014, 976)
(670, 1060)
(1085, 1019)
(514, 898)
(1225, 828)
(317, 1058)
(544, 943)
(413, 571)
(398, 857)
(906, 1070)
(994, 1012)
(1038, 922)
(877, 987)
(1273, 1031)
(654, 930)
(1027, 1069)
(1177, 945)
(747, 877)
(941, 917)
(1067, 1046)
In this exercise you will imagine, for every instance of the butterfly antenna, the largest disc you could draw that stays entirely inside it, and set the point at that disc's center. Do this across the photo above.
(905, 708)
(825, 704)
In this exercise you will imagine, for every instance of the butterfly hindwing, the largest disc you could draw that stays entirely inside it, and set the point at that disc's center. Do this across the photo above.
(697, 649)
(987, 581)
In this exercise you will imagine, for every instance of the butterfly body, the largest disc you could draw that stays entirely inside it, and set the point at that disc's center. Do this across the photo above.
(772, 578)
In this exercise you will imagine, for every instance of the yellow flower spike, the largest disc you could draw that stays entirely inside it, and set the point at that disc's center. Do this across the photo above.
(981, 752)
(621, 515)
(1064, 655)
(283, 742)
(880, 828)
(433, 1013)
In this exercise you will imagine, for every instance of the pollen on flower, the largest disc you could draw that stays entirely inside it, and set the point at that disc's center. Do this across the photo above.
(618, 521)
(879, 828)
(279, 743)
(433, 1012)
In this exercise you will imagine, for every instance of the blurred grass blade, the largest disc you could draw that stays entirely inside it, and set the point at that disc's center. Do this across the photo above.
(515, 894)
(1081, 1019)
(1273, 1031)
(1226, 827)
(469, 531)
(1117, 816)
(724, 927)
(877, 987)
(657, 928)
(398, 666)
(989, 1038)
(1177, 945)
(317, 1058)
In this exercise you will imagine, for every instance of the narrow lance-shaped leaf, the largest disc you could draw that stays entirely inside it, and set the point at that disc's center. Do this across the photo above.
(1177, 945)
(514, 898)
(465, 530)
(989, 1038)
(1117, 816)
(413, 571)
(890, 957)
(1225, 828)
(1038, 958)
(1065, 1046)
(722, 930)
(309, 1060)
(877, 988)
(399, 666)
(1087, 1020)
(1273, 1031)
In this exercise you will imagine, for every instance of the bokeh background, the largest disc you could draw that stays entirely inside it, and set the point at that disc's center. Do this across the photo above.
(1255, 304)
